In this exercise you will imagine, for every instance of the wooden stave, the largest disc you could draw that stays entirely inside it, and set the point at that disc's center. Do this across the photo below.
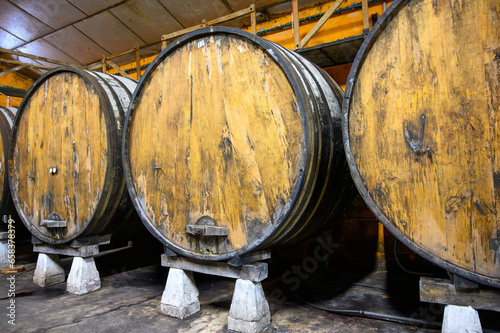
(125, 151)
(123, 210)
(342, 190)
(369, 41)
(7, 115)
(305, 185)
(110, 212)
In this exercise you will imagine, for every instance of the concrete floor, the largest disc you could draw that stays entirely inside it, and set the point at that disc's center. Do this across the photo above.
(357, 276)
(129, 302)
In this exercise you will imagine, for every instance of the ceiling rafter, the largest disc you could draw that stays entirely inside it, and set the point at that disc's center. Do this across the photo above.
(116, 17)
(34, 18)
(228, 6)
(171, 14)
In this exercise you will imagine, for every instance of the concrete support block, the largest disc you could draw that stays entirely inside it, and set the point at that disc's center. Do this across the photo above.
(48, 271)
(180, 298)
(4, 250)
(83, 276)
(460, 319)
(249, 312)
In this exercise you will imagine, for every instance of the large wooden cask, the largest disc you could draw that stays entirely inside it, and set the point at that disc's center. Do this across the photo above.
(422, 132)
(233, 144)
(66, 173)
(7, 115)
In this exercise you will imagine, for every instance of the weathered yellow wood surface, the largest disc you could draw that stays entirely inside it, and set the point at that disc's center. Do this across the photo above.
(424, 128)
(7, 115)
(62, 126)
(216, 132)
(3, 167)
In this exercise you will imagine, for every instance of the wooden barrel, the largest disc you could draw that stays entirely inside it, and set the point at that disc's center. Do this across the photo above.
(233, 144)
(7, 115)
(66, 173)
(422, 132)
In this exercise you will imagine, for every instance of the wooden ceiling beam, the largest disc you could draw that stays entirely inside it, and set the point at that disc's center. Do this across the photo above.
(31, 56)
(13, 70)
(16, 62)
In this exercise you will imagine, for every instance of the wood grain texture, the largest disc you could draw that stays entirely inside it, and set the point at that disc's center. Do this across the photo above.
(71, 121)
(217, 133)
(239, 137)
(439, 291)
(3, 167)
(63, 110)
(423, 129)
(7, 115)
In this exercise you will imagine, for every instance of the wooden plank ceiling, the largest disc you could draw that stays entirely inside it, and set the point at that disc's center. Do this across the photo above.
(83, 31)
